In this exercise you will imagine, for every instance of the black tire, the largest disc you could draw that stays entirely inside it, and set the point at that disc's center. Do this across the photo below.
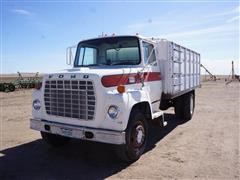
(178, 107)
(189, 106)
(136, 138)
(54, 140)
(184, 106)
(2, 87)
(11, 87)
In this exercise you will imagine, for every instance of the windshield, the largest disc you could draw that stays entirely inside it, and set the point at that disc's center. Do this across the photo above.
(108, 51)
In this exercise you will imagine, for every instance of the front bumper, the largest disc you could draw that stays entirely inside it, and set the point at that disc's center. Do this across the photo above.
(79, 132)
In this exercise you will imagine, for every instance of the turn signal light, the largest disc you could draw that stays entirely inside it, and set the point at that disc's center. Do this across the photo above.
(121, 89)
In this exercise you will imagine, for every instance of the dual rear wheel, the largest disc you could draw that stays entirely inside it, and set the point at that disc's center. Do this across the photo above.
(184, 106)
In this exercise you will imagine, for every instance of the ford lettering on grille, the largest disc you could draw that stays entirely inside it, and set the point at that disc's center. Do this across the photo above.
(70, 98)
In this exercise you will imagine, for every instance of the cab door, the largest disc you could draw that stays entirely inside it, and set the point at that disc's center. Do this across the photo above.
(152, 76)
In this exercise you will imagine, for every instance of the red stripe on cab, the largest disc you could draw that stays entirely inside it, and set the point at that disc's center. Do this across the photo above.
(134, 78)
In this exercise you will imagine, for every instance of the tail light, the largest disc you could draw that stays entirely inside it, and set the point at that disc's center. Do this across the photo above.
(38, 85)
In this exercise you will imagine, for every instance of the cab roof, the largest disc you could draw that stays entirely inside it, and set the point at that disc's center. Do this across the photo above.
(152, 39)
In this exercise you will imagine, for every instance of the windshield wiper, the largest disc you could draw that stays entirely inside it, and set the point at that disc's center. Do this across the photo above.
(93, 65)
(123, 63)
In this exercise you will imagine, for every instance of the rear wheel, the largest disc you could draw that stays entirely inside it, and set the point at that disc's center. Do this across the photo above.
(136, 138)
(184, 106)
(54, 140)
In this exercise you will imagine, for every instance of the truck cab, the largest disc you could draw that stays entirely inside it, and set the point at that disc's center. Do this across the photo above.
(110, 95)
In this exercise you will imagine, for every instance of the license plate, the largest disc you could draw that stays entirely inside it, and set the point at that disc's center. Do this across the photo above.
(66, 132)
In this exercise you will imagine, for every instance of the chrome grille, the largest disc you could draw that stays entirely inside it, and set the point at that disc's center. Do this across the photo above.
(70, 98)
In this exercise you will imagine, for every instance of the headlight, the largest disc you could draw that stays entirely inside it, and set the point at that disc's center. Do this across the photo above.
(36, 104)
(113, 111)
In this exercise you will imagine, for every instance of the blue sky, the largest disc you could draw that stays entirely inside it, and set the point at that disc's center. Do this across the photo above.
(35, 34)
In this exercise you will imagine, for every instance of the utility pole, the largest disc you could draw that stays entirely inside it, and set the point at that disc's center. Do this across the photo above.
(233, 74)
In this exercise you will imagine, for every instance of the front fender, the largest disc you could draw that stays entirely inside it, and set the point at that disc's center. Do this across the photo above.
(125, 102)
(136, 97)
(121, 101)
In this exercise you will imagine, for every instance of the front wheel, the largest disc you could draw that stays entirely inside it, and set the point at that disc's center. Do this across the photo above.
(54, 140)
(136, 138)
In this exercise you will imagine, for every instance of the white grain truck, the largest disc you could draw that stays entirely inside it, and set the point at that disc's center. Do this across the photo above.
(116, 87)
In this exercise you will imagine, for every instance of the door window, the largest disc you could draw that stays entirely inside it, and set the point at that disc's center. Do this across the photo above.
(149, 53)
(86, 56)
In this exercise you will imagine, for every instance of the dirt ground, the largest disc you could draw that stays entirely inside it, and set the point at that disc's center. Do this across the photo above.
(207, 147)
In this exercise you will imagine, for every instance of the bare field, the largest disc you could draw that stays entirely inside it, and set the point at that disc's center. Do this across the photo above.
(207, 147)
(13, 77)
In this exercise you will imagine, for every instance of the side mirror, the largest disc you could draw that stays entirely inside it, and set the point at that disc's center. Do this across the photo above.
(70, 54)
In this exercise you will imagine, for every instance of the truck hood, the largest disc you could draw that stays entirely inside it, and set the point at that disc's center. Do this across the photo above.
(100, 71)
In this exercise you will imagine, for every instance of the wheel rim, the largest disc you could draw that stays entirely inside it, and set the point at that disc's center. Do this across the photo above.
(138, 136)
(191, 104)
